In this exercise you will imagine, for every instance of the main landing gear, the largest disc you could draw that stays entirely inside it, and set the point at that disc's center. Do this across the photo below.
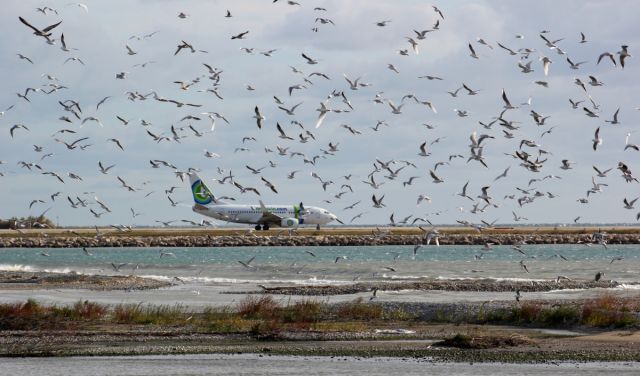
(263, 227)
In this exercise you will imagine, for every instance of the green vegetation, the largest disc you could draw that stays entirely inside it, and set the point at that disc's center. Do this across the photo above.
(265, 318)
(603, 312)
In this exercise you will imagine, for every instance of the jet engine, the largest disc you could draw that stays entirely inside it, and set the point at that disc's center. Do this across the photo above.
(289, 222)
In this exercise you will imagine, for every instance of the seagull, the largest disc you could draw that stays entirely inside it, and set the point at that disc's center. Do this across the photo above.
(104, 170)
(259, 117)
(590, 113)
(74, 59)
(240, 35)
(629, 204)
(583, 38)
(597, 140)
(102, 101)
(602, 174)
(21, 56)
(473, 52)
(615, 118)
(41, 33)
(545, 64)
(485, 195)
(17, 126)
(609, 55)
(290, 111)
(507, 104)
(503, 175)
(117, 142)
(397, 110)
(182, 46)
(464, 191)
(116, 267)
(436, 179)
(617, 258)
(309, 60)
(573, 65)
(623, 54)
(377, 203)
(511, 52)
(323, 113)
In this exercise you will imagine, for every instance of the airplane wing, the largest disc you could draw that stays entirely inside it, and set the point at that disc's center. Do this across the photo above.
(267, 216)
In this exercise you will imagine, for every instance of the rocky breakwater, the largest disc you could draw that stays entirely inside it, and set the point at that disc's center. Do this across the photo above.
(307, 240)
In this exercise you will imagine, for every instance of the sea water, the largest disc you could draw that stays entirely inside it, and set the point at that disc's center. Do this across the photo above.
(334, 265)
(211, 276)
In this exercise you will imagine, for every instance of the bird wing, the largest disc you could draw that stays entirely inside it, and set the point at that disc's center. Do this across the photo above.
(29, 25)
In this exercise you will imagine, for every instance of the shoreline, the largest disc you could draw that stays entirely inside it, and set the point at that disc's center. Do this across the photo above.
(28, 280)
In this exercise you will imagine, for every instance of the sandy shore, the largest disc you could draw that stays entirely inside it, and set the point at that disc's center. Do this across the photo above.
(42, 280)
(496, 344)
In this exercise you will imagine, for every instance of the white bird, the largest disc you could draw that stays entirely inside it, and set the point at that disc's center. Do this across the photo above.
(545, 64)
(323, 110)
(259, 117)
(597, 140)
(397, 110)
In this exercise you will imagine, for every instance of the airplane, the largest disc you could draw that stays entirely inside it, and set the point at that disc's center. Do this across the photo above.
(263, 216)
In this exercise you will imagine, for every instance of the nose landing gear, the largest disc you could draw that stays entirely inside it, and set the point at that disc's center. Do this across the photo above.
(263, 227)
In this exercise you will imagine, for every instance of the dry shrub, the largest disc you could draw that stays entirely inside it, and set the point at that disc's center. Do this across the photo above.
(267, 330)
(255, 307)
(528, 312)
(303, 312)
(607, 310)
(89, 310)
(359, 310)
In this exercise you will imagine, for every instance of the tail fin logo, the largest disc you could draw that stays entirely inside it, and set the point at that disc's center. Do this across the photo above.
(201, 194)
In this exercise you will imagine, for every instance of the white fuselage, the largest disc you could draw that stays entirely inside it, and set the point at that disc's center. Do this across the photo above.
(253, 214)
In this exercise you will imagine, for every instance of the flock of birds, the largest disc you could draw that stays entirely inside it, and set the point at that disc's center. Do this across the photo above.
(298, 141)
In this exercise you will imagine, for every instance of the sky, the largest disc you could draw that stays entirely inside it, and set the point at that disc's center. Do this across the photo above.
(351, 44)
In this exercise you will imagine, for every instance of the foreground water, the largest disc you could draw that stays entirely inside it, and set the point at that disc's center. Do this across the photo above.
(286, 365)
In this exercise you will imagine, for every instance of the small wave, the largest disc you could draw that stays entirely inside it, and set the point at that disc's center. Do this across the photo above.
(497, 279)
(33, 269)
(17, 268)
(628, 287)
(202, 280)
